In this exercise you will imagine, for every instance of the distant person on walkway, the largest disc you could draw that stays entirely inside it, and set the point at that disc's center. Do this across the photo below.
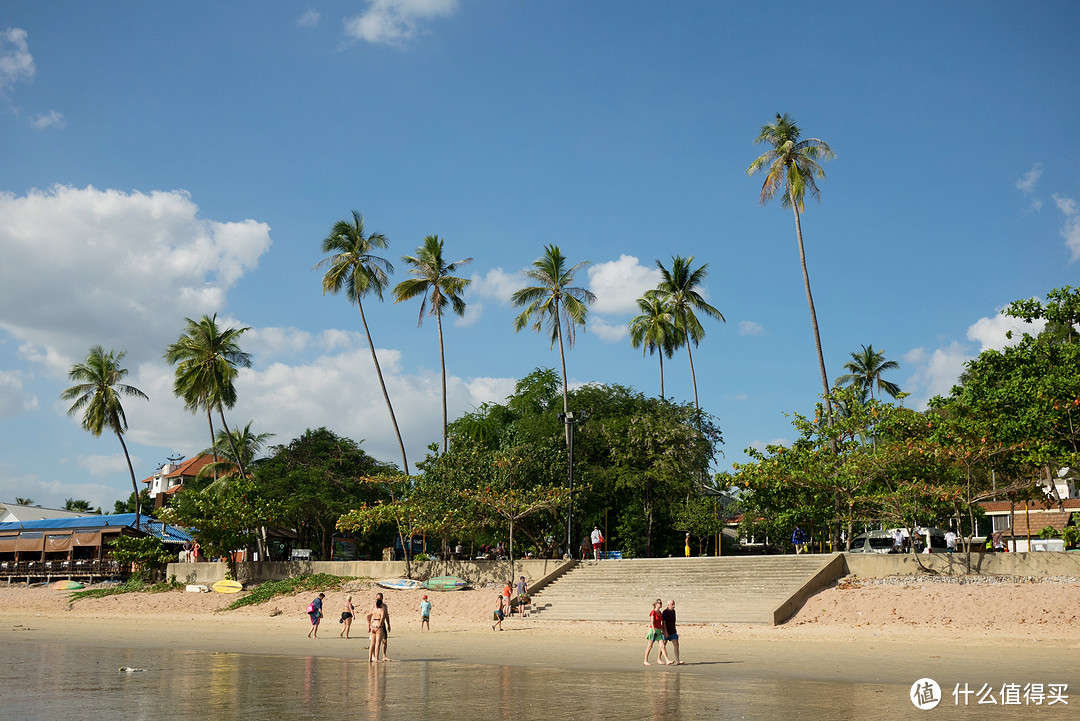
(425, 614)
(686, 549)
(522, 589)
(597, 539)
(950, 541)
(586, 548)
(670, 634)
(347, 613)
(798, 539)
(898, 541)
(497, 617)
(656, 633)
(314, 610)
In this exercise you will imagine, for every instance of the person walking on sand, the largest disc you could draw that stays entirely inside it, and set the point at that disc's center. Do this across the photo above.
(314, 610)
(498, 615)
(425, 614)
(798, 539)
(378, 620)
(597, 539)
(347, 613)
(656, 633)
(670, 634)
(686, 548)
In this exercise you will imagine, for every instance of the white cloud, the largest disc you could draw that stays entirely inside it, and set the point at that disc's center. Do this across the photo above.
(309, 19)
(607, 332)
(490, 390)
(915, 356)
(1071, 230)
(991, 332)
(123, 269)
(749, 327)
(497, 285)
(52, 494)
(276, 341)
(761, 445)
(13, 399)
(619, 283)
(393, 22)
(16, 62)
(52, 119)
(1028, 180)
(106, 466)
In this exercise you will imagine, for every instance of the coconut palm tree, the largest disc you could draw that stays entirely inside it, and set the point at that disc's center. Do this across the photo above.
(353, 268)
(678, 290)
(245, 442)
(554, 301)
(24, 501)
(78, 505)
(97, 392)
(864, 372)
(433, 281)
(206, 359)
(655, 330)
(792, 164)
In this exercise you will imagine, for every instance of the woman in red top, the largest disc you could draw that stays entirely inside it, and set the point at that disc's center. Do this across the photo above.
(656, 624)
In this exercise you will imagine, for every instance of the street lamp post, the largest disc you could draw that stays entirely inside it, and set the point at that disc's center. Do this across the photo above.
(570, 420)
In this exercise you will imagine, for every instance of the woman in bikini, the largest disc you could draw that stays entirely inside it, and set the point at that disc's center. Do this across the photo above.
(347, 613)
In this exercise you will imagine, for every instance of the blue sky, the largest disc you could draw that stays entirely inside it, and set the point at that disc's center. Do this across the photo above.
(162, 161)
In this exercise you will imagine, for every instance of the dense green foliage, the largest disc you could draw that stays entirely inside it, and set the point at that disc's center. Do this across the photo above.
(148, 553)
(132, 585)
(287, 586)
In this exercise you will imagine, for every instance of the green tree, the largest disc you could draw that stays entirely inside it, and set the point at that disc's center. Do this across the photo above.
(791, 164)
(206, 359)
(433, 281)
(148, 553)
(249, 445)
(353, 267)
(77, 505)
(129, 506)
(678, 290)
(97, 393)
(655, 329)
(865, 369)
(554, 301)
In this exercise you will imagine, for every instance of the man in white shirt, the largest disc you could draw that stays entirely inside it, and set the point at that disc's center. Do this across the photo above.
(597, 539)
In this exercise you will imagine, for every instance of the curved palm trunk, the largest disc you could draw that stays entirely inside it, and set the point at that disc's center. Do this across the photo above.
(661, 354)
(693, 377)
(213, 442)
(134, 483)
(232, 444)
(562, 359)
(382, 384)
(442, 363)
(813, 314)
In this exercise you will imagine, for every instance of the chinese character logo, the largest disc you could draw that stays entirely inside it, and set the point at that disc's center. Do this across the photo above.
(925, 694)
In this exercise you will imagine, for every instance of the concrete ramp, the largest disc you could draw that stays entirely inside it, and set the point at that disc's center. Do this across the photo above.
(736, 589)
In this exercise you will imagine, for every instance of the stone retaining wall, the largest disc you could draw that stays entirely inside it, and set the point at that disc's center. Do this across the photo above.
(1038, 563)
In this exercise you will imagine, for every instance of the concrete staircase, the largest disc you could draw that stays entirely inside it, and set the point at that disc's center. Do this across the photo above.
(735, 589)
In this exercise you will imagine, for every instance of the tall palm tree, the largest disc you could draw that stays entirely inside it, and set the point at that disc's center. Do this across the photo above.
(206, 359)
(352, 267)
(78, 505)
(554, 301)
(97, 392)
(864, 372)
(433, 281)
(792, 164)
(678, 290)
(655, 330)
(24, 501)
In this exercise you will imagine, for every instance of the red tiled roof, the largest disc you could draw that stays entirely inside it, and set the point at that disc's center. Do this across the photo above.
(1035, 522)
(1005, 506)
(189, 468)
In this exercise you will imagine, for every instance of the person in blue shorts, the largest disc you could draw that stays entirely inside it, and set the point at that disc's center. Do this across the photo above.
(315, 611)
(670, 634)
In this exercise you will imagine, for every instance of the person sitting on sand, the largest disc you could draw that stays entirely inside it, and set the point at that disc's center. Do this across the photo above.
(347, 613)
(498, 615)
(656, 625)
(670, 634)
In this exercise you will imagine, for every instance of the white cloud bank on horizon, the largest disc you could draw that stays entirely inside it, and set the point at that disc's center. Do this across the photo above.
(393, 22)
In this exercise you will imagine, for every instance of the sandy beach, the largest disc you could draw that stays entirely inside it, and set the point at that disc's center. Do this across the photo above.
(885, 630)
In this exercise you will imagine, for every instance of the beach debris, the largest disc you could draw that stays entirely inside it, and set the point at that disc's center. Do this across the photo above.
(196, 588)
(275, 612)
(129, 669)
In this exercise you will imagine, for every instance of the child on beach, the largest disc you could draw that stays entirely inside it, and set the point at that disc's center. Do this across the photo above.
(425, 614)
(498, 615)
(656, 625)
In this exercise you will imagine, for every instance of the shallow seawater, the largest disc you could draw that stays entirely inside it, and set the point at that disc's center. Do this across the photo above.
(55, 681)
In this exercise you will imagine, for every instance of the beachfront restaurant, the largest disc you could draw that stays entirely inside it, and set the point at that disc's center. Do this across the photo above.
(74, 548)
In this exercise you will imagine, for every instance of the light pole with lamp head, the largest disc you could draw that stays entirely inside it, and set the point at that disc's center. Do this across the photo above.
(571, 420)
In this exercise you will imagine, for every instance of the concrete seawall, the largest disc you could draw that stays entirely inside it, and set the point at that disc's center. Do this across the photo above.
(1037, 563)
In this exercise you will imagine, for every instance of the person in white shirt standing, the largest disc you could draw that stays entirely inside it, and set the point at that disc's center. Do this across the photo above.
(597, 539)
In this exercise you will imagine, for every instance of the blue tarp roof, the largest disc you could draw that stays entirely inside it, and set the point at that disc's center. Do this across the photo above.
(167, 533)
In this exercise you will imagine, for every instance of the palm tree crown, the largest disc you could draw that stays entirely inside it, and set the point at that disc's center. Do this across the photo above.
(554, 301)
(655, 329)
(864, 372)
(206, 358)
(352, 267)
(433, 282)
(678, 289)
(244, 442)
(97, 393)
(792, 164)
